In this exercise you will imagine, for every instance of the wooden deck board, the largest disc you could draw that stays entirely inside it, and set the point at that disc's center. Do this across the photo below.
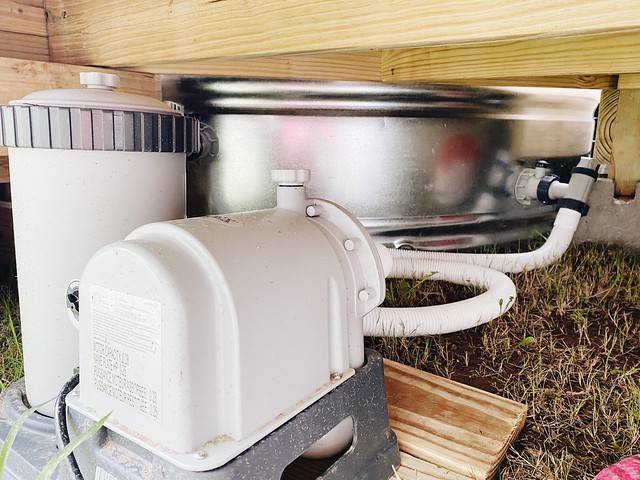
(123, 33)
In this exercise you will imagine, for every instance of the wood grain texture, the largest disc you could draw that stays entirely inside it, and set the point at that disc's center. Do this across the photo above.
(4, 169)
(626, 143)
(20, 45)
(332, 66)
(568, 81)
(412, 468)
(125, 33)
(32, 3)
(450, 426)
(21, 17)
(20, 77)
(602, 54)
(363, 66)
(604, 133)
(629, 80)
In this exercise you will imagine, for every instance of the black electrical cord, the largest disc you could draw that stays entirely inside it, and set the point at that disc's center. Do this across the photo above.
(62, 432)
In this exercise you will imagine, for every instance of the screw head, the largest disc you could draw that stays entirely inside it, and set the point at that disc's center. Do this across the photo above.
(312, 211)
(349, 245)
(364, 295)
(335, 377)
(201, 455)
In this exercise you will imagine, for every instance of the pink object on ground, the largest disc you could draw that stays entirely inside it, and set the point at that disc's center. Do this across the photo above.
(626, 469)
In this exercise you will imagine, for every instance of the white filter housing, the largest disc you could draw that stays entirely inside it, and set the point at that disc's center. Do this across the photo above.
(87, 166)
(67, 205)
(204, 335)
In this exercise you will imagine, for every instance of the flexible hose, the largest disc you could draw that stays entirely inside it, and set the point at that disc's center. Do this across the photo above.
(499, 296)
(62, 432)
(478, 270)
(565, 225)
(481, 270)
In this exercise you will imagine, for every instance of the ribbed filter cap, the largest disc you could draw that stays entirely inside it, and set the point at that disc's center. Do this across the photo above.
(99, 93)
(97, 117)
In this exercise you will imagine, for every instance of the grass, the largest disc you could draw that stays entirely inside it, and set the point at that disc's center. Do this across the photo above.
(569, 348)
(11, 367)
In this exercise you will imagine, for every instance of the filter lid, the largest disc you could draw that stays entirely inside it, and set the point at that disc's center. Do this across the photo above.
(99, 93)
(97, 118)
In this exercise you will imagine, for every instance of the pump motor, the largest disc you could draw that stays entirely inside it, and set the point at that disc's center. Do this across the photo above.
(206, 334)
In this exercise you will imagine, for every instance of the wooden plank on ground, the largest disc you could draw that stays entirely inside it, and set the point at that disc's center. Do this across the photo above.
(125, 33)
(578, 55)
(20, 17)
(413, 468)
(20, 45)
(446, 426)
(4, 169)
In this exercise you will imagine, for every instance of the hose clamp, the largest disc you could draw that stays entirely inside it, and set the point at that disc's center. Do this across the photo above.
(573, 204)
(542, 192)
(589, 172)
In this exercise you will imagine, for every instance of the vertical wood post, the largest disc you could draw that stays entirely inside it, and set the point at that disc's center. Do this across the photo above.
(618, 135)
(626, 142)
(604, 134)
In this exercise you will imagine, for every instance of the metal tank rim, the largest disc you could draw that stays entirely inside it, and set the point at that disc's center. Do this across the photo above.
(341, 98)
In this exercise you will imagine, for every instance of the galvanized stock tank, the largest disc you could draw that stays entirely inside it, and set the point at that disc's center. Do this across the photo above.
(424, 166)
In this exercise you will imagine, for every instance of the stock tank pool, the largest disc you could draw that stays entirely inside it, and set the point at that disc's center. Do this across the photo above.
(423, 166)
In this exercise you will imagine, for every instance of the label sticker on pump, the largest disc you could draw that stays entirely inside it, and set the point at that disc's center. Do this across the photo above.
(126, 344)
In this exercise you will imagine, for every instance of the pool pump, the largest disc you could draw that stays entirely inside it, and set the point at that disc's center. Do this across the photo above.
(220, 347)
(203, 336)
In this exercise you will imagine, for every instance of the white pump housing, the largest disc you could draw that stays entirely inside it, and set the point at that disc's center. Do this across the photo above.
(203, 335)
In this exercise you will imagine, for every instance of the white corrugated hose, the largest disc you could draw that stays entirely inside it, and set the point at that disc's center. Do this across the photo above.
(565, 225)
(478, 270)
(499, 296)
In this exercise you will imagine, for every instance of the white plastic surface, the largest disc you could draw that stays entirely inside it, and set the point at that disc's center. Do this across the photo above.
(334, 442)
(100, 93)
(559, 239)
(499, 297)
(258, 316)
(100, 80)
(290, 177)
(481, 270)
(67, 205)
